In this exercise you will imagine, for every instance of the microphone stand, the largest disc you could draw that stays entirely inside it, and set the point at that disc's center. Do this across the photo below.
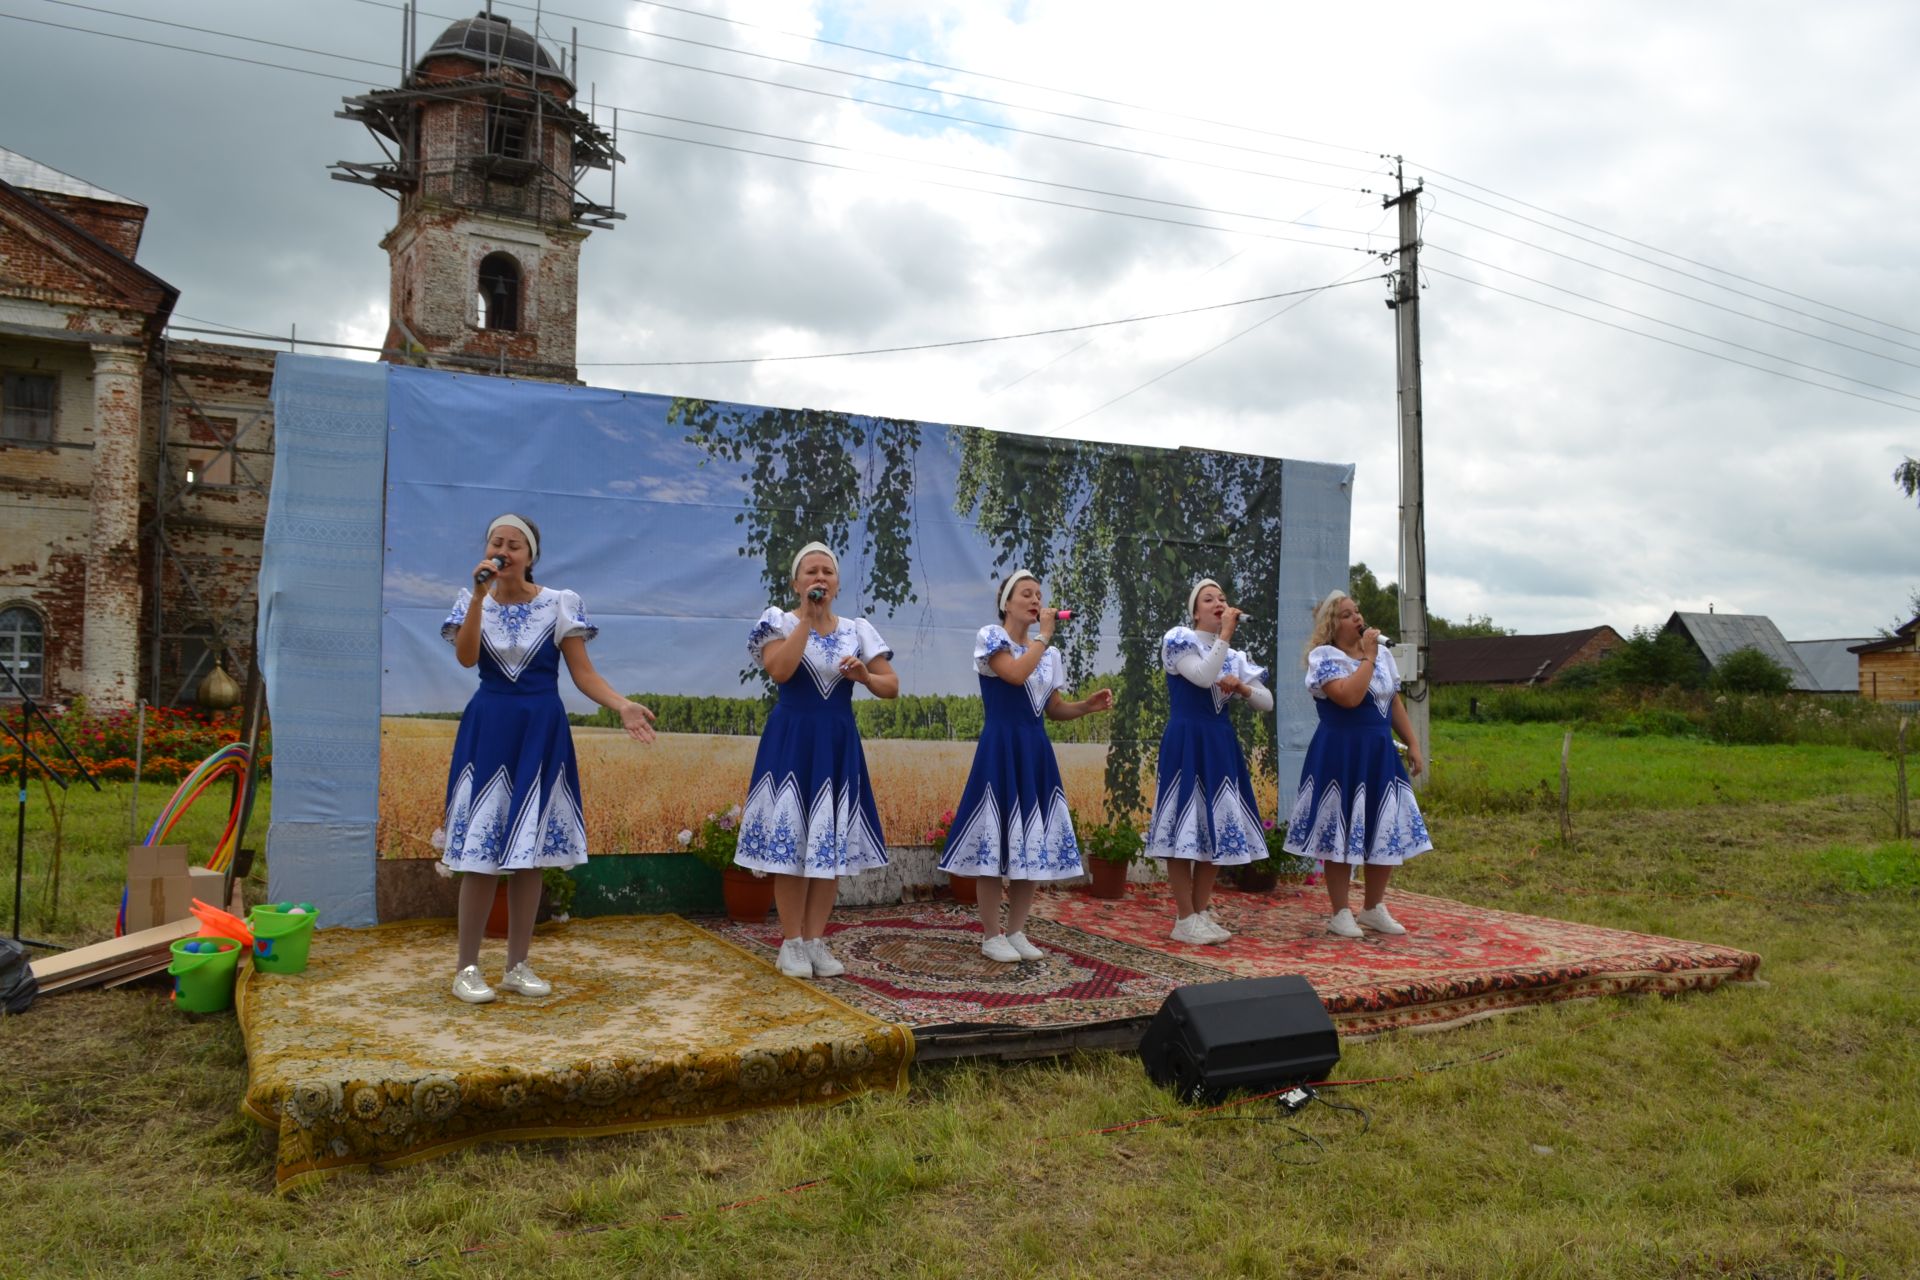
(28, 711)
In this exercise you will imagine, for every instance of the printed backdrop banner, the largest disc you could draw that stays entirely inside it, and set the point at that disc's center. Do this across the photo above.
(675, 521)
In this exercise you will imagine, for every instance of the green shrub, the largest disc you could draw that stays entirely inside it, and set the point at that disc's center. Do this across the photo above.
(1750, 671)
(1749, 720)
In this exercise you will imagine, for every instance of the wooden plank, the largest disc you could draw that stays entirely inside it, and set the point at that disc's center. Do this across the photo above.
(111, 952)
(110, 975)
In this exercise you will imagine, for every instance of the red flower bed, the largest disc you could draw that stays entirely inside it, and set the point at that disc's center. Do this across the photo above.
(173, 743)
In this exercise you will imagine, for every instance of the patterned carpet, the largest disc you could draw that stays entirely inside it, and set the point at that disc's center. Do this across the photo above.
(1112, 960)
(367, 1058)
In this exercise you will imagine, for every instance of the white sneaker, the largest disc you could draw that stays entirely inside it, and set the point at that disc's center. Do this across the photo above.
(793, 959)
(1220, 932)
(998, 948)
(522, 979)
(471, 987)
(1342, 924)
(825, 963)
(1193, 931)
(1026, 950)
(1377, 919)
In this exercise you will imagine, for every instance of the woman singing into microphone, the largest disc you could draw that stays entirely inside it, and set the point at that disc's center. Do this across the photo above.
(1355, 804)
(513, 794)
(809, 816)
(1012, 822)
(1204, 815)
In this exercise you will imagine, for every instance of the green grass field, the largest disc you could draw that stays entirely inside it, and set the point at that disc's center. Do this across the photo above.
(1770, 1130)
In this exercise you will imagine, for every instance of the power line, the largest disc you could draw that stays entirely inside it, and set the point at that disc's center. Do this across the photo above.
(1708, 266)
(1648, 284)
(1654, 337)
(984, 173)
(736, 51)
(1641, 315)
(234, 332)
(1004, 195)
(978, 75)
(711, 125)
(1166, 373)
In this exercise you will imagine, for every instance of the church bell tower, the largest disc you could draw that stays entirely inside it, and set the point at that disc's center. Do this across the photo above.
(485, 156)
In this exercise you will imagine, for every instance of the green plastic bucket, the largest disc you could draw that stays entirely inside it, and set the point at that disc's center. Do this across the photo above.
(280, 939)
(203, 970)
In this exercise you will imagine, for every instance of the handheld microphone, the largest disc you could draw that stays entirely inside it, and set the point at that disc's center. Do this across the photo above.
(1064, 615)
(485, 575)
(817, 594)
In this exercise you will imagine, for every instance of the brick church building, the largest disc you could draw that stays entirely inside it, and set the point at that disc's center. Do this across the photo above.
(134, 466)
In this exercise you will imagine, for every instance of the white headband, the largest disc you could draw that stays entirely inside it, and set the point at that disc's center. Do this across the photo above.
(1006, 588)
(1193, 596)
(808, 550)
(526, 531)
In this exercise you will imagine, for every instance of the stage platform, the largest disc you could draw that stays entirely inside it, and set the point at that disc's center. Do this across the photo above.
(366, 1058)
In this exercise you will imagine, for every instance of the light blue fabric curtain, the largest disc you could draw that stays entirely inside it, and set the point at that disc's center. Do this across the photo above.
(319, 639)
(1316, 517)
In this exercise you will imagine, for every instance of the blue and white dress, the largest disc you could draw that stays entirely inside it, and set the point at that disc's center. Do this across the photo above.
(1355, 802)
(513, 791)
(1012, 819)
(1204, 808)
(810, 807)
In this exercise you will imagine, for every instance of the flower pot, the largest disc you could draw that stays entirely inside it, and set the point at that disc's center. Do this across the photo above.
(497, 916)
(1248, 880)
(1109, 878)
(748, 897)
(963, 888)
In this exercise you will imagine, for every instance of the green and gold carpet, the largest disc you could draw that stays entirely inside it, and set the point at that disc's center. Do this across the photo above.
(366, 1057)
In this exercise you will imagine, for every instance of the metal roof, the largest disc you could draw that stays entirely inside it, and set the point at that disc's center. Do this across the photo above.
(1833, 668)
(490, 38)
(1721, 634)
(1507, 659)
(29, 174)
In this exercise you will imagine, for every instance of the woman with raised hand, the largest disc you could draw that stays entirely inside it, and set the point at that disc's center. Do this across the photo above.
(513, 792)
(1012, 826)
(1204, 813)
(1355, 805)
(810, 817)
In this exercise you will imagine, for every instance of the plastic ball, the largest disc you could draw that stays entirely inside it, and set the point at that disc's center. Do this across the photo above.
(296, 911)
(307, 907)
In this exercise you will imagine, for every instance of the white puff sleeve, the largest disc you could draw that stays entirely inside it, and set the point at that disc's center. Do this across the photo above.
(1326, 664)
(450, 629)
(573, 619)
(774, 624)
(992, 639)
(868, 641)
(1196, 656)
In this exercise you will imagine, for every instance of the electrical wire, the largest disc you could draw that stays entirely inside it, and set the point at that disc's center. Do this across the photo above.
(1004, 195)
(1652, 248)
(907, 59)
(705, 124)
(1648, 284)
(1654, 337)
(827, 355)
(1099, 408)
(736, 51)
(1697, 333)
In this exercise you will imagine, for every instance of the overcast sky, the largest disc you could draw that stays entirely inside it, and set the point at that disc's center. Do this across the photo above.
(1576, 474)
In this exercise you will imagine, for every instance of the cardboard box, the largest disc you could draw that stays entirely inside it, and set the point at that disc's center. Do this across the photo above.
(159, 886)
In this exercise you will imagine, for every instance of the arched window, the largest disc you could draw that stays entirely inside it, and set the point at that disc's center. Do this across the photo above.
(23, 650)
(499, 292)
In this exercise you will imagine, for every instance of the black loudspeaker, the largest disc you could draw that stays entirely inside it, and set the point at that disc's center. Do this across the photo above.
(1251, 1033)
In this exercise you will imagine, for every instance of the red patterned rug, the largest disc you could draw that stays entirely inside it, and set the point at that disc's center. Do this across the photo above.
(1107, 961)
(1454, 964)
(920, 963)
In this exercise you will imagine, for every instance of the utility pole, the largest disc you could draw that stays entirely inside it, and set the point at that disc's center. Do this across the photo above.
(1410, 654)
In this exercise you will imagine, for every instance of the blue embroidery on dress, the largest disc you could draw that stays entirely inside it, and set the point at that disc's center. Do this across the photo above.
(1172, 649)
(757, 639)
(514, 619)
